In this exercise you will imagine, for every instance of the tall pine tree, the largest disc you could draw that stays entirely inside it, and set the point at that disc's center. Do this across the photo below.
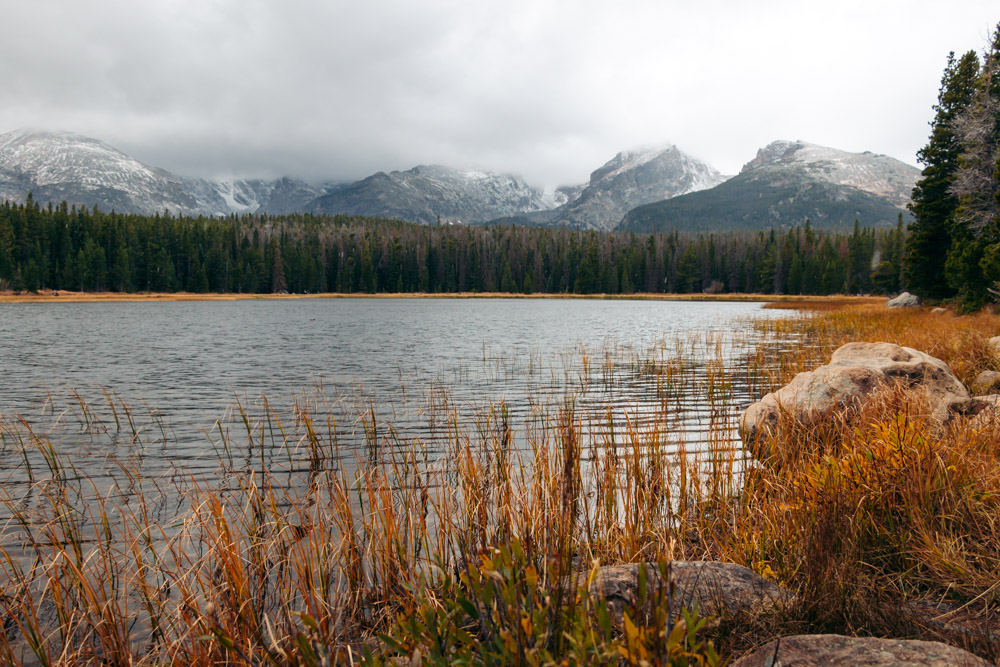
(933, 202)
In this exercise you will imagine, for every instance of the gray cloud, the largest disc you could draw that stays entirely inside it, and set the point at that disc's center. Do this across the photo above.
(547, 89)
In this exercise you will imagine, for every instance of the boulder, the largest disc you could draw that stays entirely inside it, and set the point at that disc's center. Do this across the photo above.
(837, 650)
(994, 344)
(987, 411)
(963, 622)
(855, 371)
(904, 300)
(715, 588)
(986, 382)
(939, 311)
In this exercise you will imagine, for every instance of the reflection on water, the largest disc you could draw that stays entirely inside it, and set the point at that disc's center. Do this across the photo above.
(183, 393)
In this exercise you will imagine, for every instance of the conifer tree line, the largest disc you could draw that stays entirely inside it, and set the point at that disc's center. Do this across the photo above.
(85, 249)
(953, 249)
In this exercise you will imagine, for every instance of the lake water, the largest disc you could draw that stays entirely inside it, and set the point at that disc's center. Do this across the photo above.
(155, 384)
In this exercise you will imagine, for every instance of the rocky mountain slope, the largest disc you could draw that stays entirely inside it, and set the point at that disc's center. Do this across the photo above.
(428, 193)
(878, 174)
(786, 183)
(628, 180)
(57, 166)
(643, 190)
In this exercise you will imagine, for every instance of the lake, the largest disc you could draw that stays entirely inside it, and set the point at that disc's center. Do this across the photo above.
(158, 386)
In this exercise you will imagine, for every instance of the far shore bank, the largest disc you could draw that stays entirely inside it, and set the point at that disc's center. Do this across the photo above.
(779, 300)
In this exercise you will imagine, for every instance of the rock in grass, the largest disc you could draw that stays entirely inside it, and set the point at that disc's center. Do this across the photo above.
(837, 650)
(987, 412)
(986, 382)
(939, 311)
(855, 371)
(994, 344)
(904, 300)
(966, 623)
(714, 588)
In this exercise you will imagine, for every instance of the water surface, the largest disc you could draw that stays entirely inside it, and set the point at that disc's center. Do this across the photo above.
(159, 380)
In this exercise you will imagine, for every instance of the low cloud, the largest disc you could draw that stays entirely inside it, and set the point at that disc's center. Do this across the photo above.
(549, 90)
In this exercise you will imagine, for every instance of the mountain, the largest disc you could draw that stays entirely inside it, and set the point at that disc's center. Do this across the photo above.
(628, 180)
(57, 166)
(878, 174)
(430, 192)
(783, 185)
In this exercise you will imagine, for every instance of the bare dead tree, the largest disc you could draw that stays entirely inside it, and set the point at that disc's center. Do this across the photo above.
(978, 132)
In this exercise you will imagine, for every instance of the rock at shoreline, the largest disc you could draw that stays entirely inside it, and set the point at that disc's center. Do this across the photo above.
(855, 371)
(837, 650)
(904, 300)
(715, 588)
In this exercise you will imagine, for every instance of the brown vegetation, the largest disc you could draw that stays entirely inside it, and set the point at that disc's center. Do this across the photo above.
(465, 557)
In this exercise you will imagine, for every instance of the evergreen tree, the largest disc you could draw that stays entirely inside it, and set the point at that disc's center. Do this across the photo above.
(278, 282)
(933, 203)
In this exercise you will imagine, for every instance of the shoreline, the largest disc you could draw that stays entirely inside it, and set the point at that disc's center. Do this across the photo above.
(778, 300)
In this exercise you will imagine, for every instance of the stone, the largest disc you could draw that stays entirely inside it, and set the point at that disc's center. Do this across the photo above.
(904, 300)
(939, 311)
(838, 650)
(964, 622)
(994, 344)
(714, 587)
(855, 371)
(987, 412)
(986, 382)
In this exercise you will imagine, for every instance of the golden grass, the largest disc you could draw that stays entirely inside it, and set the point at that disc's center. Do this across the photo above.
(310, 567)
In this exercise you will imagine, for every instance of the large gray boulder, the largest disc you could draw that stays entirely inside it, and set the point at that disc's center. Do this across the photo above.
(904, 300)
(713, 587)
(840, 651)
(855, 371)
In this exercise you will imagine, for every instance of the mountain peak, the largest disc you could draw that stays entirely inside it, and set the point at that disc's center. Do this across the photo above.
(630, 159)
(427, 193)
(633, 178)
(871, 172)
(58, 166)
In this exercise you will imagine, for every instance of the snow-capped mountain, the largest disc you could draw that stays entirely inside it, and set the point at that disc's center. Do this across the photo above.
(57, 166)
(628, 180)
(431, 192)
(652, 189)
(785, 184)
(880, 175)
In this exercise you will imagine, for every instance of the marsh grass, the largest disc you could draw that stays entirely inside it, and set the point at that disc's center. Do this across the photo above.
(304, 551)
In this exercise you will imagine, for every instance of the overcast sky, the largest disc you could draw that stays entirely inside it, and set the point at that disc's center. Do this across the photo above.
(549, 90)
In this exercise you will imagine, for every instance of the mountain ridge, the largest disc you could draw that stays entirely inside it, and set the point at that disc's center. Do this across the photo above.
(786, 183)
(639, 189)
(629, 179)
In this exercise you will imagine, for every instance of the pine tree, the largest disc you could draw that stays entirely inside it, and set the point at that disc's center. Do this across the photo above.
(933, 203)
(278, 284)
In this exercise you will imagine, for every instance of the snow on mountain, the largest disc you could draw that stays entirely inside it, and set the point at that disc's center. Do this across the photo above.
(787, 183)
(871, 172)
(428, 193)
(57, 166)
(631, 179)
